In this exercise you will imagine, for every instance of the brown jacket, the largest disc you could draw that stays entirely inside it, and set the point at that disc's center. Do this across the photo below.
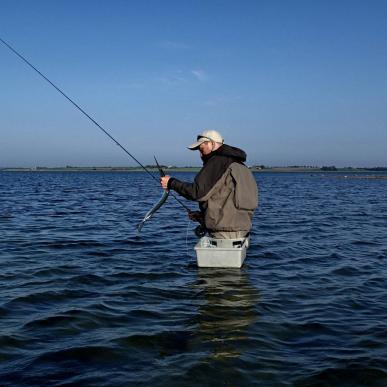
(225, 189)
(230, 204)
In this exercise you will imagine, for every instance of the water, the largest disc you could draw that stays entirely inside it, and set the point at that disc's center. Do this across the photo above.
(84, 300)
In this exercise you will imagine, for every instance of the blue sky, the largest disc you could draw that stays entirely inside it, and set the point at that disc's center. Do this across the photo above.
(290, 82)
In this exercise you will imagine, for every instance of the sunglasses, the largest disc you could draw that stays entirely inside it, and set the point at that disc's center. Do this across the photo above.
(200, 137)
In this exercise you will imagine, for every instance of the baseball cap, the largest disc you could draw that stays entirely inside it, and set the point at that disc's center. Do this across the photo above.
(207, 135)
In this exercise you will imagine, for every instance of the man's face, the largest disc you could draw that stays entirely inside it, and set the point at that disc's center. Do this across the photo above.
(205, 148)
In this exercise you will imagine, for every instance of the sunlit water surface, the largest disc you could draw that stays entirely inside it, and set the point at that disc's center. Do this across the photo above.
(85, 300)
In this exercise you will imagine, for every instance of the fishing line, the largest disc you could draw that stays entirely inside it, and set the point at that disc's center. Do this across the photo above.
(86, 114)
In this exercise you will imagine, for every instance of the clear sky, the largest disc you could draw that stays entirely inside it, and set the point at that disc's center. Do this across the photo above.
(290, 82)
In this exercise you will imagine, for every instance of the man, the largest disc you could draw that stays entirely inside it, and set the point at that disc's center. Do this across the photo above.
(225, 188)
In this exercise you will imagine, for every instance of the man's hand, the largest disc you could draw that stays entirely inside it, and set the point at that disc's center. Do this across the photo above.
(164, 181)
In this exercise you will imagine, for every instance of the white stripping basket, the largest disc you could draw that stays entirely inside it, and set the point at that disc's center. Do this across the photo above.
(211, 252)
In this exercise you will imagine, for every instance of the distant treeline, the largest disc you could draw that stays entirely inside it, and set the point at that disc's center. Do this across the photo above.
(323, 168)
(373, 169)
(380, 169)
(153, 167)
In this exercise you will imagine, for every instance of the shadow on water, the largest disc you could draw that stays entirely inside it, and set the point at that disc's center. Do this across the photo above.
(222, 325)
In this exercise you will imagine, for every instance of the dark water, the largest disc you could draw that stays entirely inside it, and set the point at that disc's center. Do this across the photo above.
(84, 300)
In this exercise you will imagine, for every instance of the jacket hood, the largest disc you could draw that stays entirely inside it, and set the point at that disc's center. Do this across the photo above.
(227, 151)
(231, 151)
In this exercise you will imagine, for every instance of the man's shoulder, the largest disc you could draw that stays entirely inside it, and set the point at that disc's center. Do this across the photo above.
(219, 161)
(214, 168)
(235, 153)
(238, 166)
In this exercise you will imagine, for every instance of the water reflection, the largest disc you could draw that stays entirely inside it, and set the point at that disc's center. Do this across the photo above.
(229, 310)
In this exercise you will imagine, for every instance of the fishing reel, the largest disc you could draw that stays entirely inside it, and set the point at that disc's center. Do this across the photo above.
(200, 231)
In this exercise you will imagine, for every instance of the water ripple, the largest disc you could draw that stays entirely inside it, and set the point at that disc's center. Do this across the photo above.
(86, 300)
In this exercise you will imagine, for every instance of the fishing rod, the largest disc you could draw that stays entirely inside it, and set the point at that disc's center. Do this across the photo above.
(86, 114)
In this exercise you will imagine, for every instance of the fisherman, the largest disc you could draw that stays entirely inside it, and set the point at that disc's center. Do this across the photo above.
(225, 188)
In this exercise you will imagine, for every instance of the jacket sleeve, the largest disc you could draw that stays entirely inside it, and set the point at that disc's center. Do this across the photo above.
(204, 180)
(188, 190)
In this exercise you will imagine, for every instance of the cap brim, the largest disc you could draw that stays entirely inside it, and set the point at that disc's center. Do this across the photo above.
(195, 145)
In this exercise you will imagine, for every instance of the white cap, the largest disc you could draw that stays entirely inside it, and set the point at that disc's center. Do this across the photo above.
(207, 135)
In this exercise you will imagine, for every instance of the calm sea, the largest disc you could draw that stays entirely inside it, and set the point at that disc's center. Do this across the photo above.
(85, 300)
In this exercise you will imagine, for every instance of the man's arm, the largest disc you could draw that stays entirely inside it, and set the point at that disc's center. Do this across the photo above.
(203, 182)
(211, 172)
(188, 190)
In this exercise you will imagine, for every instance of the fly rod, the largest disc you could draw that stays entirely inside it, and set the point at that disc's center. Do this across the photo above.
(86, 114)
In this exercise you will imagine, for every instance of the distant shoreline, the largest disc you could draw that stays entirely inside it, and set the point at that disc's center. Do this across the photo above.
(195, 169)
